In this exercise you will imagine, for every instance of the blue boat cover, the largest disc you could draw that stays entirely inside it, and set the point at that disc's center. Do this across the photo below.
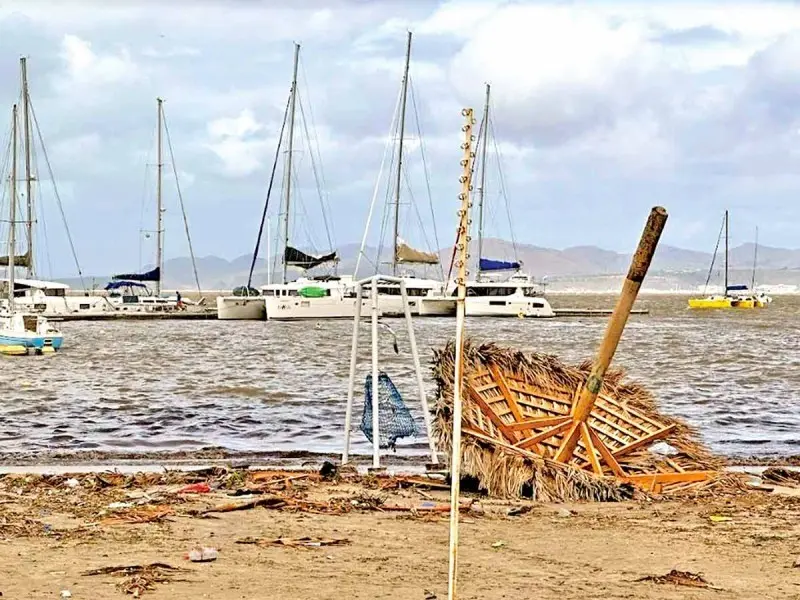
(487, 264)
(113, 285)
(154, 275)
(736, 288)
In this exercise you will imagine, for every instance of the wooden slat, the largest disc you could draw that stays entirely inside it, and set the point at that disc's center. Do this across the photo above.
(662, 478)
(539, 423)
(547, 433)
(639, 415)
(645, 429)
(587, 442)
(491, 415)
(562, 455)
(507, 394)
(643, 441)
(606, 454)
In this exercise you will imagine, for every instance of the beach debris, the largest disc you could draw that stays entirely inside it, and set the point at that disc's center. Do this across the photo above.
(303, 542)
(138, 579)
(719, 519)
(781, 476)
(202, 554)
(518, 511)
(64, 594)
(564, 513)
(144, 514)
(72, 483)
(328, 470)
(119, 505)
(498, 544)
(675, 577)
(429, 595)
(268, 502)
(664, 449)
(195, 488)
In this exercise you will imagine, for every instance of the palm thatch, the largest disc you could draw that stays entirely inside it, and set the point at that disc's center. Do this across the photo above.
(493, 449)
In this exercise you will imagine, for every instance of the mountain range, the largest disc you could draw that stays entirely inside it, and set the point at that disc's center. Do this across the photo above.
(574, 267)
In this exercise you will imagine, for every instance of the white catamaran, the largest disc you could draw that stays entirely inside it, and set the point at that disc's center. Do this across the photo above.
(21, 332)
(518, 295)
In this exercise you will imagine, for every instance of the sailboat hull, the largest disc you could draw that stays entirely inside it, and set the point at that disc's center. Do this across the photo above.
(722, 302)
(241, 308)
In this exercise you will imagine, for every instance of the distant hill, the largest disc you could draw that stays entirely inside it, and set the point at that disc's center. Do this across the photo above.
(572, 267)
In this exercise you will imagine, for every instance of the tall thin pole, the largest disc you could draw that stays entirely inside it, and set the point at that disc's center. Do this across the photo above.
(482, 183)
(290, 148)
(12, 218)
(23, 63)
(755, 261)
(725, 291)
(269, 259)
(403, 101)
(159, 203)
(461, 282)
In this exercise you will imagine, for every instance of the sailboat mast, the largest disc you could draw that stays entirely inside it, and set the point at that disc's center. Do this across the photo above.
(725, 293)
(290, 148)
(482, 181)
(755, 261)
(403, 102)
(12, 219)
(159, 203)
(26, 122)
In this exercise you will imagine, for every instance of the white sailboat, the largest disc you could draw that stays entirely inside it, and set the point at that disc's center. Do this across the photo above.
(21, 332)
(427, 297)
(518, 295)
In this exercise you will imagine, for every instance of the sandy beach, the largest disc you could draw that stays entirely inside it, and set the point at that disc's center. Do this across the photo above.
(378, 538)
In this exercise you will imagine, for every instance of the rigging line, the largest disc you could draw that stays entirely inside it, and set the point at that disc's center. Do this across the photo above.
(144, 193)
(323, 187)
(57, 195)
(425, 239)
(389, 144)
(425, 170)
(40, 207)
(269, 194)
(304, 218)
(714, 258)
(319, 182)
(387, 202)
(503, 189)
(180, 200)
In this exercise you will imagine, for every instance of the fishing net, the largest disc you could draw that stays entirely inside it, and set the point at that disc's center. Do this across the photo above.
(394, 419)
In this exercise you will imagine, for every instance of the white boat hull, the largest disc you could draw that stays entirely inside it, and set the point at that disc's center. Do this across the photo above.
(295, 308)
(241, 308)
(508, 307)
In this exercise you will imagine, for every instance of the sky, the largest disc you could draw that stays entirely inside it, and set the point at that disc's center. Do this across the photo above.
(600, 110)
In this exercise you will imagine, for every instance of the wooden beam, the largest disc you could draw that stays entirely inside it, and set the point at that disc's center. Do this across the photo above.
(507, 394)
(608, 457)
(547, 433)
(663, 478)
(644, 441)
(587, 441)
(491, 415)
(539, 423)
(568, 443)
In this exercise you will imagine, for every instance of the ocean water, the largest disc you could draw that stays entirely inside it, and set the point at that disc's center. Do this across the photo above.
(275, 386)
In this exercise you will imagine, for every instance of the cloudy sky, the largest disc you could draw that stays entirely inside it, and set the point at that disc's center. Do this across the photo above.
(601, 110)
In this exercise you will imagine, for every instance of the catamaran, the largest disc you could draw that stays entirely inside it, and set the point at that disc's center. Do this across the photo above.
(21, 332)
(733, 296)
(518, 295)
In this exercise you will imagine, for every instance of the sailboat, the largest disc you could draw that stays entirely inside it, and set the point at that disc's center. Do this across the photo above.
(21, 332)
(129, 291)
(739, 299)
(516, 296)
(427, 297)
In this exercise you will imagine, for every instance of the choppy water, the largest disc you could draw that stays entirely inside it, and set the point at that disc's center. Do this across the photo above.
(173, 385)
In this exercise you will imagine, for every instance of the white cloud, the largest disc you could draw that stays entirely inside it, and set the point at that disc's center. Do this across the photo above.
(86, 71)
(234, 141)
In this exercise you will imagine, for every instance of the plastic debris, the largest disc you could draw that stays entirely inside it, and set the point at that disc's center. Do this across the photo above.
(202, 554)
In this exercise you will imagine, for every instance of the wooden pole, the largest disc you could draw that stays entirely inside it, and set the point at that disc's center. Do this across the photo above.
(630, 289)
(462, 245)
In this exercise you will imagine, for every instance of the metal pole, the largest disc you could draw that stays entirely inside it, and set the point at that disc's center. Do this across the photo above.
(159, 210)
(482, 184)
(640, 263)
(725, 291)
(12, 218)
(348, 416)
(26, 123)
(290, 148)
(376, 448)
(462, 242)
(418, 371)
(400, 154)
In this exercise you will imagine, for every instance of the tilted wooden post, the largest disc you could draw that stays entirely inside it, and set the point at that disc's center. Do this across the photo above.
(630, 289)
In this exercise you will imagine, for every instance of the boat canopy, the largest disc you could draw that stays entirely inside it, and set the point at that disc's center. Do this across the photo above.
(20, 260)
(296, 258)
(115, 285)
(407, 254)
(243, 290)
(487, 264)
(737, 288)
(313, 292)
(154, 275)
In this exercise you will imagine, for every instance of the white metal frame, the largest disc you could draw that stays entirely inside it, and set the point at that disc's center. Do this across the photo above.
(373, 285)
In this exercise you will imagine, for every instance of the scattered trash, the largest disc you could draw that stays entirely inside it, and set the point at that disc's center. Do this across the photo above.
(120, 505)
(664, 449)
(516, 511)
(674, 577)
(202, 554)
(498, 544)
(779, 475)
(73, 483)
(64, 594)
(476, 509)
(137, 579)
(195, 488)
(429, 595)
(796, 564)
(719, 519)
(145, 514)
(328, 470)
(564, 513)
(303, 542)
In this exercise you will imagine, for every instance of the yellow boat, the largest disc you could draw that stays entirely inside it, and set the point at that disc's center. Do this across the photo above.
(747, 299)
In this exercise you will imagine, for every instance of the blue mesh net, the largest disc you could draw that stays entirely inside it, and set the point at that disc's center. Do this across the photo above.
(394, 418)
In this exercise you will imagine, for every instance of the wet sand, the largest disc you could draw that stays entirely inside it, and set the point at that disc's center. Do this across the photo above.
(52, 530)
